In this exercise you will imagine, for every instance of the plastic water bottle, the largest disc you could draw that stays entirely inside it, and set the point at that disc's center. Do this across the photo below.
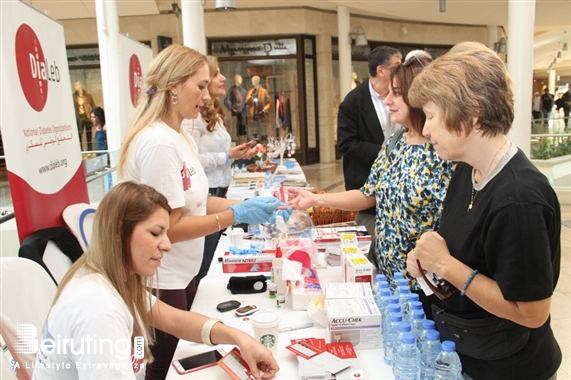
(427, 324)
(393, 284)
(257, 243)
(404, 292)
(390, 336)
(392, 308)
(448, 365)
(404, 328)
(407, 359)
(407, 309)
(414, 305)
(268, 180)
(379, 280)
(429, 351)
(383, 300)
(402, 282)
(417, 319)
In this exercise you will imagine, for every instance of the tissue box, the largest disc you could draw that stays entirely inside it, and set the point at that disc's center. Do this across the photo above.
(359, 269)
(248, 263)
(334, 290)
(355, 320)
(302, 294)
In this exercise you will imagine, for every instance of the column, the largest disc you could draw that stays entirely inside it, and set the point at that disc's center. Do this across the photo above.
(325, 99)
(343, 30)
(521, 18)
(492, 36)
(551, 81)
(193, 34)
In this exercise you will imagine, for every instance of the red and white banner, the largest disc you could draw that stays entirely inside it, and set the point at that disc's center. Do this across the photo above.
(39, 130)
(135, 60)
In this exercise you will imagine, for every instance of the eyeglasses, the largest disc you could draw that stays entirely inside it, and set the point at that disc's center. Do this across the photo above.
(412, 59)
(443, 288)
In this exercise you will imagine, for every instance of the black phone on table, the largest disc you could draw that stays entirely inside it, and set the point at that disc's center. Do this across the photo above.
(198, 361)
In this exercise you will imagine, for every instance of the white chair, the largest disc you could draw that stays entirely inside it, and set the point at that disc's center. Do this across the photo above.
(27, 293)
(79, 219)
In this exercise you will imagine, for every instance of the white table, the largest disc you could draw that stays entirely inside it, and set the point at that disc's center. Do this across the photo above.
(212, 291)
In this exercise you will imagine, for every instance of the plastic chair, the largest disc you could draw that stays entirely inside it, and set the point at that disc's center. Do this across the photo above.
(24, 281)
(79, 219)
(54, 248)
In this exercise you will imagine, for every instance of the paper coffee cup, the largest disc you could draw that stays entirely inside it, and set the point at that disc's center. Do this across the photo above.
(266, 327)
(236, 236)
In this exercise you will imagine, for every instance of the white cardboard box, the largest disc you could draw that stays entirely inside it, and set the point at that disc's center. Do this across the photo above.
(359, 269)
(335, 290)
(355, 320)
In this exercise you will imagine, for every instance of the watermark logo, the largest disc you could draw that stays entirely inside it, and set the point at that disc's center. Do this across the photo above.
(26, 342)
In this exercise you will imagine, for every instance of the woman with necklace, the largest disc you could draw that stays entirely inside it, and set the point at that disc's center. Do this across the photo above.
(158, 152)
(499, 237)
(214, 151)
(407, 183)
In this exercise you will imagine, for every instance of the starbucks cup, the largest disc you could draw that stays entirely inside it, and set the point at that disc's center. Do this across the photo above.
(236, 236)
(266, 327)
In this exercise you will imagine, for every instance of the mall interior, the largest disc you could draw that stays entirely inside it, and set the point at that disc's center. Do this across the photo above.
(298, 50)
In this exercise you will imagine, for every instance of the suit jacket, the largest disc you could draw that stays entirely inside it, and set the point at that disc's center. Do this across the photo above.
(359, 136)
(264, 104)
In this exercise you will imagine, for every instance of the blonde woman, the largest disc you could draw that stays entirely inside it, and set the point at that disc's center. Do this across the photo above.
(215, 151)
(104, 297)
(158, 152)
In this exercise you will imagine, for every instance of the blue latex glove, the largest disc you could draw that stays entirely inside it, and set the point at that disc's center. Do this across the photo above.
(256, 210)
(283, 213)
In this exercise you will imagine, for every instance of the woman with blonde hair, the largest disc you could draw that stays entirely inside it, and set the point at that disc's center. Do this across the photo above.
(214, 150)
(158, 152)
(104, 298)
(499, 241)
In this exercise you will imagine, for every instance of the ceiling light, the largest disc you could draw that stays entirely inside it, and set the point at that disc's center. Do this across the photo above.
(442, 5)
(559, 54)
(565, 46)
(225, 5)
(359, 36)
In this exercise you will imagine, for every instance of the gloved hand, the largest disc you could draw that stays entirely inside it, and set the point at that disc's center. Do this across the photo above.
(285, 214)
(255, 210)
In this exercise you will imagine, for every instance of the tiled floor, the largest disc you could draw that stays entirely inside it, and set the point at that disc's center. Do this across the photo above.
(329, 177)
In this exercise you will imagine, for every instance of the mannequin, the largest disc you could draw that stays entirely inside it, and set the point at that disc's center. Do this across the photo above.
(259, 104)
(83, 103)
(234, 102)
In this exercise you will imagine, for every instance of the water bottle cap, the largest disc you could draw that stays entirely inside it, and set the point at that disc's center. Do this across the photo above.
(418, 314)
(413, 297)
(404, 290)
(398, 275)
(448, 346)
(380, 277)
(394, 308)
(384, 284)
(428, 324)
(402, 282)
(432, 335)
(256, 231)
(385, 292)
(396, 317)
(405, 326)
(394, 299)
(269, 172)
(408, 338)
(416, 305)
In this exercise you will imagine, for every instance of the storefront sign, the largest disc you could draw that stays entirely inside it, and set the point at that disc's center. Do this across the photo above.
(262, 48)
(39, 129)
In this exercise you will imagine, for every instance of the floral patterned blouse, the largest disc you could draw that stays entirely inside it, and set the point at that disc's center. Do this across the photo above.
(409, 186)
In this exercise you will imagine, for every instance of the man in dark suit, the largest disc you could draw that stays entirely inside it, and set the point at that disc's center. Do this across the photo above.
(363, 124)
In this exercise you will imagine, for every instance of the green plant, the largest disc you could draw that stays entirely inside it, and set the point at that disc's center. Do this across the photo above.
(550, 147)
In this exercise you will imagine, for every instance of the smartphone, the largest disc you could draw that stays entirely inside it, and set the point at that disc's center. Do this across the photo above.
(252, 143)
(198, 361)
(246, 310)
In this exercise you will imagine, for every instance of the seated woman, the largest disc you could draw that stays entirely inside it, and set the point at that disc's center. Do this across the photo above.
(104, 298)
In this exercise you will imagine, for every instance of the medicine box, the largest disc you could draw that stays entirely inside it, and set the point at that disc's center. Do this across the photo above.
(248, 263)
(359, 269)
(302, 294)
(355, 320)
(334, 290)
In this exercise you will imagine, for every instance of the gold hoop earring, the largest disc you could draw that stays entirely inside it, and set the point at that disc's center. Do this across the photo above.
(174, 98)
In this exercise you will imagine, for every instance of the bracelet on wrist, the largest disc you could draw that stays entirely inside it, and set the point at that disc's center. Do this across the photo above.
(218, 221)
(206, 330)
(468, 282)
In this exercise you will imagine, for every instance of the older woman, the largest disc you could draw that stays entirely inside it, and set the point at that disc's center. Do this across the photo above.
(499, 237)
(158, 152)
(104, 298)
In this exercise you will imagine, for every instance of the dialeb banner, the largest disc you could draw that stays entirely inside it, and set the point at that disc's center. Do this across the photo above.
(39, 130)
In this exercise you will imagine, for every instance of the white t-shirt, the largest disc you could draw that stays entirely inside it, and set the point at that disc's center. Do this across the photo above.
(88, 334)
(167, 160)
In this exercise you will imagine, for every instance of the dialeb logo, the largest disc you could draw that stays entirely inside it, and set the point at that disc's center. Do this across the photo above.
(33, 69)
(135, 79)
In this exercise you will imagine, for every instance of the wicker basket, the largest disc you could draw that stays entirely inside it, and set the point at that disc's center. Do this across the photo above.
(327, 215)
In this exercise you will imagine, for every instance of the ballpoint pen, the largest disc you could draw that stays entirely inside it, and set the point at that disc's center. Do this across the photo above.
(297, 327)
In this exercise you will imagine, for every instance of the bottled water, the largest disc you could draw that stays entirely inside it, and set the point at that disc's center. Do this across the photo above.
(429, 351)
(404, 328)
(407, 359)
(393, 284)
(379, 279)
(448, 365)
(392, 308)
(404, 292)
(406, 311)
(414, 305)
(417, 319)
(390, 336)
(383, 301)
(268, 181)
(427, 324)
(257, 243)
(402, 282)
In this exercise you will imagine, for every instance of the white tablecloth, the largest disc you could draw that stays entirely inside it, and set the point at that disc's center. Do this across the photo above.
(212, 291)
